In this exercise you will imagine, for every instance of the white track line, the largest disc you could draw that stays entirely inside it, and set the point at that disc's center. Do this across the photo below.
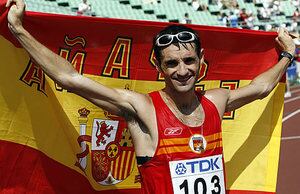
(289, 138)
(290, 115)
(294, 91)
(292, 99)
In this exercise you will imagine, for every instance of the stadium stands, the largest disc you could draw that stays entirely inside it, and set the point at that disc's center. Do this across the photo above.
(171, 10)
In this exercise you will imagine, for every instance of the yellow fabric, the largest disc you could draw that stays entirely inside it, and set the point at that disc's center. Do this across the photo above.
(50, 123)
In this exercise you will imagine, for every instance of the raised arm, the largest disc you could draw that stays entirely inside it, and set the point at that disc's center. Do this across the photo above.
(260, 86)
(264, 83)
(117, 101)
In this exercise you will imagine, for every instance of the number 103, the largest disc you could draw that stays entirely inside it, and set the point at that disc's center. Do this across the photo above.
(201, 183)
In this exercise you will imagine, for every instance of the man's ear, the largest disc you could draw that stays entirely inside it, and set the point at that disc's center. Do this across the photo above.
(201, 56)
(157, 65)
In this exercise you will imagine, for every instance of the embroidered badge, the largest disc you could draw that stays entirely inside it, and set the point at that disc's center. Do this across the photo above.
(197, 143)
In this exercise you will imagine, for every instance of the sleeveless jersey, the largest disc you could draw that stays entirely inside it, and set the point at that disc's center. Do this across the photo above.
(178, 142)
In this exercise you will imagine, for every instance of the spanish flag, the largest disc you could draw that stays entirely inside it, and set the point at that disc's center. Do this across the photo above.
(52, 141)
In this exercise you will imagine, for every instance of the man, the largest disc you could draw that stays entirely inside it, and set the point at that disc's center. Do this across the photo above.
(186, 19)
(84, 8)
(173, 126)
(243, 17)
(297, 58)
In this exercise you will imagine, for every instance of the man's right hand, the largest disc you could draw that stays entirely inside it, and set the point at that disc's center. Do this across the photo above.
(15, 14)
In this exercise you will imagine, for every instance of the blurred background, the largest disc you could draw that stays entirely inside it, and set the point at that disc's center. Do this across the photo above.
(266, 15)
(250, 14)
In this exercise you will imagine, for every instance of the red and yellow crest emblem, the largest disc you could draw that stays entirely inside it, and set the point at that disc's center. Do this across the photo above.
(112, 152)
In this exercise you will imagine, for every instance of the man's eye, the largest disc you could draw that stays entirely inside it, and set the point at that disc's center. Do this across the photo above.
(171, 63)
(189, 60)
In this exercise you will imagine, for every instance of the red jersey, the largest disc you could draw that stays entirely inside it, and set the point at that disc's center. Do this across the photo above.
(180, 149)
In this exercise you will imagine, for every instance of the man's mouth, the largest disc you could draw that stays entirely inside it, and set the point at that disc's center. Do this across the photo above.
(184, 79)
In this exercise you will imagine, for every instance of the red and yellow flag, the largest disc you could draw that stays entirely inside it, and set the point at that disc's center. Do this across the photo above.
(52, 141)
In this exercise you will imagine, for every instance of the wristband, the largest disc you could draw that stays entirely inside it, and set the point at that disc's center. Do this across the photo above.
(287, 55)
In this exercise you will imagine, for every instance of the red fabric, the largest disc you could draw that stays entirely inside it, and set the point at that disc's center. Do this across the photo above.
(231, 54)
(41, 175)
(155, 173)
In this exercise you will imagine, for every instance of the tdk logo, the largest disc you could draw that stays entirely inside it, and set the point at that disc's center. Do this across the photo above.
(196, 166)
(203, 165)
(180, 169)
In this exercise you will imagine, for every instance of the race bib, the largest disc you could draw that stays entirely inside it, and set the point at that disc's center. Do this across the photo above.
(198, 176)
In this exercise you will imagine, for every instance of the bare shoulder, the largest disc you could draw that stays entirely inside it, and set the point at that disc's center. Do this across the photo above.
(139, 101)
(142, 121)
(219, 98)
(217, 94)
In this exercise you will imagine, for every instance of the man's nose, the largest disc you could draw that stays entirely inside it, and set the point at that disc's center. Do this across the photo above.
(182, 70)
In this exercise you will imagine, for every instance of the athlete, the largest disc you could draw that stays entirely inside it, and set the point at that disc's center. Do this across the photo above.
(176, 130)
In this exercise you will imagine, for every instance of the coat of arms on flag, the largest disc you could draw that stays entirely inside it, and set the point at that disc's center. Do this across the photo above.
(112, 152)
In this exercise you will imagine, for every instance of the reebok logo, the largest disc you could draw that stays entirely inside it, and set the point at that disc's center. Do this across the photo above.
(173, 131)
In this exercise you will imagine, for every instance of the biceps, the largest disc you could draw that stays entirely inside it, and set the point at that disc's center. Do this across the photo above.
(109, 99)
(242, 96)
(107, 106)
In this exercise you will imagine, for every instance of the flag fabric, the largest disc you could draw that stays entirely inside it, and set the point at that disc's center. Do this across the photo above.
(52, 141)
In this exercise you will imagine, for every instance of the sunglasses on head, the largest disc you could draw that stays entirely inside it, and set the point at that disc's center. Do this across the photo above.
(167, 39)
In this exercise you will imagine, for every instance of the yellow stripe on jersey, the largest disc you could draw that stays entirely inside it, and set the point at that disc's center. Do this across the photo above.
(185, 148)
(185, 141)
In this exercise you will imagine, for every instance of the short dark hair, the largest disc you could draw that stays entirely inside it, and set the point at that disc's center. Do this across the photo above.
(174, 29)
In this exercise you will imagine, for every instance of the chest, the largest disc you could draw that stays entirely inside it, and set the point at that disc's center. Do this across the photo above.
(192, 118)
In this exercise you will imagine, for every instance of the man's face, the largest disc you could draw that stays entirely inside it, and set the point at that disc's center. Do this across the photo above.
(180, 65)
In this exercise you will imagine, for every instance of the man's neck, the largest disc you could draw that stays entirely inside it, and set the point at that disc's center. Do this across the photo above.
(185, 102)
